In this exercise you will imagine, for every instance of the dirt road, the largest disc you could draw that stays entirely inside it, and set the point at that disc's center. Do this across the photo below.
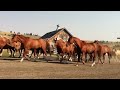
(13, 69)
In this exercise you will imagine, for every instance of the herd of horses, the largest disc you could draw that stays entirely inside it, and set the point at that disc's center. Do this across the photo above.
(74, 47)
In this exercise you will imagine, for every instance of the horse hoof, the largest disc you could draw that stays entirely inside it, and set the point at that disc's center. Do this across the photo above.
(83, 62)
(92, 65)
(76, 65)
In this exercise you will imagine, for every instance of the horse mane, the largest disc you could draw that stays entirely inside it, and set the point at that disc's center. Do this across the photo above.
(13, 35)
(22, 36)
(72, 37)
(69, 38)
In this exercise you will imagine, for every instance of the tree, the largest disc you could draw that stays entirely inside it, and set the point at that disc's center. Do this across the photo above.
(18, 33)
(30, 33)
(10, 31)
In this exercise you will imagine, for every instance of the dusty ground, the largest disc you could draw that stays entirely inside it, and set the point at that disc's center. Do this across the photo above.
(13, 69)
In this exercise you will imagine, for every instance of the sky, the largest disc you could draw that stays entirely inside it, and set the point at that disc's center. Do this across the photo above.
(86, 25)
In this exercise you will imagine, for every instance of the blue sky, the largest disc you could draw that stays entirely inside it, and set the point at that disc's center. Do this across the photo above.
(87, 25)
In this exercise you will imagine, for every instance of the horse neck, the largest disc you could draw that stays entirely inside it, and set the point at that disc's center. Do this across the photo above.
(78, 42)
(4, 38)
(23, 39)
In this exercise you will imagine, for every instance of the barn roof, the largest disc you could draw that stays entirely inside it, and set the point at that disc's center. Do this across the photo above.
(52, 33)
(118, 37)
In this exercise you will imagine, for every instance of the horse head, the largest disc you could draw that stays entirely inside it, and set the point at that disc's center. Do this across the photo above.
(70, 40)
(17, 45)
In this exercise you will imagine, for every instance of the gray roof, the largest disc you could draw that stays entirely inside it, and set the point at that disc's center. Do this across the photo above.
(52, 33)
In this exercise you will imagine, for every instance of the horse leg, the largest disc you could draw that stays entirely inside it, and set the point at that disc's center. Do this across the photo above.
(20, 53)
(99, 58)
(86, 60)
(109, 57)
(37, 53)
(70, 56)
(44, 52)
(70, 59)
(103, 58)
(14, 52)
(91, 57)
(58, 56)
(78, 58)
(24, 55)
(1, 52)
(49, 51)
(62, 54)
(84, 54)
(94, 57)
(34, 53)
(30, 54)
(10, 52)
(74, 56)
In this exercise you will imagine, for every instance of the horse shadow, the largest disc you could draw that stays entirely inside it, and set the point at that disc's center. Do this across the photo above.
(49, 59)
(9, 58)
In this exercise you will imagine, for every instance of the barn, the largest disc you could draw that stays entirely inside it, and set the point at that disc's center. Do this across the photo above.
(61, 33)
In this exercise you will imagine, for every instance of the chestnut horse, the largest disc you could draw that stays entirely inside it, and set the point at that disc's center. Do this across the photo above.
(20, 47)
(60, 44)
(29, 43)
(48, 49)
(103, 50)
(70, 50)
(5, 44)
(79, 44)
(65, 48)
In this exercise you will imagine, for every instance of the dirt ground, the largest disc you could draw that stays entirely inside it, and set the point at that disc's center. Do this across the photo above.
(14, 69)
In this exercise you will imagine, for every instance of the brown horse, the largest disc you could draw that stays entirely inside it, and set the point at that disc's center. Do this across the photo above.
(70, 50)
(79, 44)
(106, 50)
(5, 44)
(103, 49)
(19, 47)
(47, 46)
(65, 48)
(29, 43)
(60, 46)
(89, 48)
